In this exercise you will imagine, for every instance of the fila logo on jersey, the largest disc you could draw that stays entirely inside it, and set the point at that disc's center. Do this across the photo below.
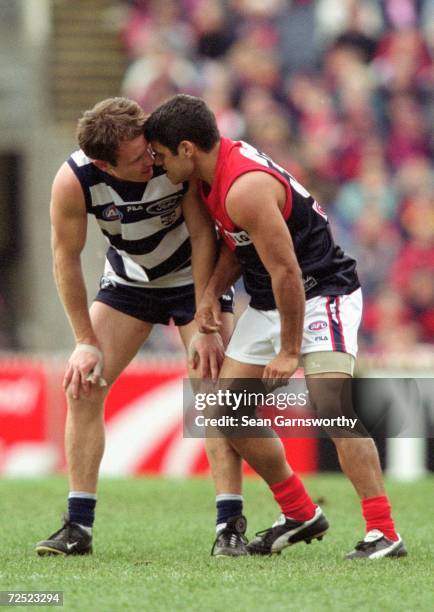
(317, 326)
(309, 282)
(134, 207)
(157, 208)
(111, 213)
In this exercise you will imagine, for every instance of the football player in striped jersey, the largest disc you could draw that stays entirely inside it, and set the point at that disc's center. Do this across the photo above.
(147, 279)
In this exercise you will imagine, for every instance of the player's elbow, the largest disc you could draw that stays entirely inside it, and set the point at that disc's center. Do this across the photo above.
(64, 258)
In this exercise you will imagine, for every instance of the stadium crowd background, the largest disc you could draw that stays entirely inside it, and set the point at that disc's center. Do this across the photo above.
(336, 91)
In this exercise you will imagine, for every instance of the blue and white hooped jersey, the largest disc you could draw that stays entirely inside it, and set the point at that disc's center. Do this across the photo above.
(143, 224)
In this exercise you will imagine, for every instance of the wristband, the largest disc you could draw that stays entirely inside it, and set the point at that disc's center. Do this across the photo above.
(90, 348)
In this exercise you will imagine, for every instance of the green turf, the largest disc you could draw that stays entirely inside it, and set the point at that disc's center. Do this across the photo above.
(152, 542)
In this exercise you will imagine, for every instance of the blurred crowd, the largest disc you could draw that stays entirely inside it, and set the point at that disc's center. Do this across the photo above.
(338, 92)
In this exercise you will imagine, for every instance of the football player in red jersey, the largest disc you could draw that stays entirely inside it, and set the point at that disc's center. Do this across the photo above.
(300, 283)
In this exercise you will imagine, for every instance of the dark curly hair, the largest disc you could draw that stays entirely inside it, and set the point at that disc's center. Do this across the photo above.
(183, 118)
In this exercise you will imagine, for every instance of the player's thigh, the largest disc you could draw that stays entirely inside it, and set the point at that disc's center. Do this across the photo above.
(227, 328)
(232, 368)
(330, 393)
(243, 380)
(119, 335)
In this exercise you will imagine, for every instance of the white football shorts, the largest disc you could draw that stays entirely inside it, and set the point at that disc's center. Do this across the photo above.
(330, 324)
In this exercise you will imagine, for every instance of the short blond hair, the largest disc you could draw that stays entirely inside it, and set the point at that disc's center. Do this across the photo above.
(102, 128)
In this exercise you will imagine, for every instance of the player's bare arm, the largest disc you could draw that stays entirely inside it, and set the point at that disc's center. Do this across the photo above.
(226, 272)
(68, 231)
(206, 350)
(203, 239)
(254, 203)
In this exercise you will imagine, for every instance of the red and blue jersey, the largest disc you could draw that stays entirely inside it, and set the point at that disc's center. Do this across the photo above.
(326, 270)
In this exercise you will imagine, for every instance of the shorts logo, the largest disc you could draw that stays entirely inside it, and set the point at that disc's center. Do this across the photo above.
(164, 206)
(106, 282)
(317, 326)
(111, 213)
(321, 339)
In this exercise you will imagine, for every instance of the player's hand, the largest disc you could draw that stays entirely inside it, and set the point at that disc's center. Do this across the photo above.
(206, 352)
(208, 316)
(84, 368)
(280, 369)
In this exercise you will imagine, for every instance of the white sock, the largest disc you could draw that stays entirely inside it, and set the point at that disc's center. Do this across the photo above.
(84, 494)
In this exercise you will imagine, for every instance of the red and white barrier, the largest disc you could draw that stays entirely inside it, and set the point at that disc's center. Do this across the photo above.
(144, 423)
(25, 444)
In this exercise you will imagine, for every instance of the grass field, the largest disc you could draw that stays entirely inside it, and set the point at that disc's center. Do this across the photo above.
(152, 542)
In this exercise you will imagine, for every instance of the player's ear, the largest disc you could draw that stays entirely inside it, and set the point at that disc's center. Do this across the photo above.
(186, 148)
(102, 165)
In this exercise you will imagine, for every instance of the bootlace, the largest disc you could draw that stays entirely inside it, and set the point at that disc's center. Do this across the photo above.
(266, 535)
(362, 545)
(229, 538)
(66, 527)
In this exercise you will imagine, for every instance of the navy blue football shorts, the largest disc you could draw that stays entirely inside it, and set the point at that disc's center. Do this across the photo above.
(156, 305)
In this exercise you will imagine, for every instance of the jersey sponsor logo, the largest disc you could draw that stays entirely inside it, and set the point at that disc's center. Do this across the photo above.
(111, 213)
(309, 282)
(163, 206)
(239, 238)
(134, 207)
(169, 218)
(317, 326)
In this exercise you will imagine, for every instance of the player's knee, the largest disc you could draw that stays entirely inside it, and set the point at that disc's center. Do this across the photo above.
(91, 401)
(219, 449)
